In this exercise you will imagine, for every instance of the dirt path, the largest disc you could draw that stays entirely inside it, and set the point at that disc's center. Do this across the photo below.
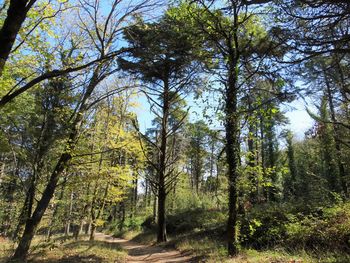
(144, 253)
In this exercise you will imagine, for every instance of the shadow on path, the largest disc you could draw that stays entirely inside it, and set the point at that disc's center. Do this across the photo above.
(145, 253)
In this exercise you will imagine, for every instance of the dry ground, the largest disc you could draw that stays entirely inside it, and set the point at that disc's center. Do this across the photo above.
(146, 253)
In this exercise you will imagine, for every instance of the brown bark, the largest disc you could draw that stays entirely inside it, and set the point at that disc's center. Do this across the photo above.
(232, 155)
(232, 126)
(33, 222)
(161, 236)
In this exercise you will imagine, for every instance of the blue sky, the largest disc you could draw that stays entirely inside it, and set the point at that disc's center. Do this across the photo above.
(300, 121)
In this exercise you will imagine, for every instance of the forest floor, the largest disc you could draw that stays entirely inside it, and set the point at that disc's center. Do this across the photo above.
(105, 248)
(146, 253)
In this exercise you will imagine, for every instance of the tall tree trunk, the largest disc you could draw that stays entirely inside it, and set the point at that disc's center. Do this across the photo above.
(27, 208)
(16, 14)
(341, 166)
(251, 155)
(147, 193)
(272, 191)
(99, 212)
(55, 211)
(92, 211)
(121, 215)
(33, 222)
(155, 205)
(232, 149)
(162, 237)
(291, 183)
(69, 216)
(83, 213)
(264, 192)
(135, 193)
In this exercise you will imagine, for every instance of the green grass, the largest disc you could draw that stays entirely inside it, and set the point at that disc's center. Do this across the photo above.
(65, 251)
(214, 250)
(268, 234)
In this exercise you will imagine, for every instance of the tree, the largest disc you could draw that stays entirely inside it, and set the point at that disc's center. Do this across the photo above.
(197, 153)
(234, 34)
(104, 45)
(313, 27)
(162, 55)
(290, 182)
(16, 14)
(115, 157)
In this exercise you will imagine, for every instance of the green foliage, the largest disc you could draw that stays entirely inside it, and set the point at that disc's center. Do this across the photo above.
(297, 227)
(264, 227)
(194, 220)
(329, 229)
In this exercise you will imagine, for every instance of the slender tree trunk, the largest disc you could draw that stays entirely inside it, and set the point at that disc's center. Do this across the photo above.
(155, 205)
(92, 231)
(264, 193)
(161, 236)
(251, 154)
(257, 160)
(33, 222)
(27, 208)
(69, 217)
(2, 171)
(55, 211)
(146, 194)
(271, 161)
(173, 197)
(121, 216)
(135, 194)
(218, 172)
(99, 213)
(232, 153)
(83, 214)
(341, 166)
(93, 212)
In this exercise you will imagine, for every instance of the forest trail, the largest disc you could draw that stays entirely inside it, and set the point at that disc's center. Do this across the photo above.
(145, 253)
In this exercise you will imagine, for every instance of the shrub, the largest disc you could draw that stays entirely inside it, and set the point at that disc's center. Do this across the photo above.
(330, 231)
(195, 219)
(263, 227)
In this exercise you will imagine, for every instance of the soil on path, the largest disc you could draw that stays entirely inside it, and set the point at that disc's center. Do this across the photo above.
(146, 253)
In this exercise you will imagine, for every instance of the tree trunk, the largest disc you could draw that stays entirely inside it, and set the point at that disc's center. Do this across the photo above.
(92, 210)
(88, 228)
(121, 216)
(55, 212)
(16, 14)
(340, 163)
(264, 193)
(155, 205)
(92, 231)
(33, 222)
(161, 237)
(251, 155)
(69, 217)
(232, 154)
